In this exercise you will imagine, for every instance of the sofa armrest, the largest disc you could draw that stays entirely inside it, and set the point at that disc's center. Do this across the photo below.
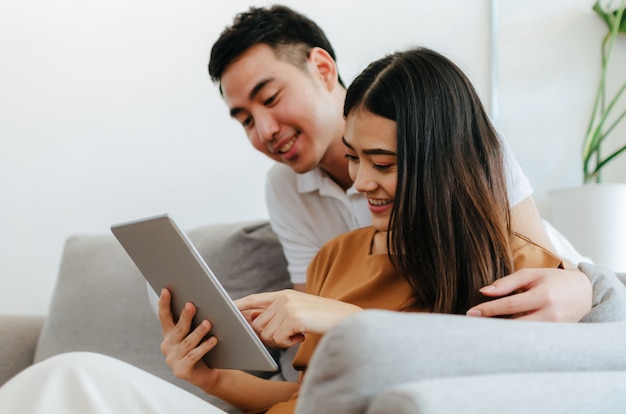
(609, 294)
(537, 393)
(373, 350)
(18, 340)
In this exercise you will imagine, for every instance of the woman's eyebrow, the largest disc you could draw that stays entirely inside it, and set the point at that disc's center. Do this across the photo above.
(373, 151)
(379, 151)
(343, 139)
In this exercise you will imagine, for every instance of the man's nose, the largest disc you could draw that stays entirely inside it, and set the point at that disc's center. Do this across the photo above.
(267, 127)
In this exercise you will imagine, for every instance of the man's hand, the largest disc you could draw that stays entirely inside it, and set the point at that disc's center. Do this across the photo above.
(281, 318)
(538, 294)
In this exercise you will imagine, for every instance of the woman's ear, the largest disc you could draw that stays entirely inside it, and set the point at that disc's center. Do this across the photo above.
(324, 67)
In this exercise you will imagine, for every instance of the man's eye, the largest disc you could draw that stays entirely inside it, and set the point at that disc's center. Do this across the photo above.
(247, 122)
(351, 157)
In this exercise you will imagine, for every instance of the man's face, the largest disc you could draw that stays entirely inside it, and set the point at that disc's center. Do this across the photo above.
(288, 112)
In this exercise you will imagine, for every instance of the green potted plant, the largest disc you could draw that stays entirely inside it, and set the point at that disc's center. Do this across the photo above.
(601, 123)
(593, 216)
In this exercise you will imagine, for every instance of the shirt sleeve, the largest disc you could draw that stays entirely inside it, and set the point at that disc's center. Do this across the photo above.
(518, 185)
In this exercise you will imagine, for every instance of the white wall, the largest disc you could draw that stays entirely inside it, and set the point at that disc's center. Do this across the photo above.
(107, 112)
(549, 60)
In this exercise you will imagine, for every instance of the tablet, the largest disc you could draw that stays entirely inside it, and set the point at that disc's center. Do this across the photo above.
(167, 259)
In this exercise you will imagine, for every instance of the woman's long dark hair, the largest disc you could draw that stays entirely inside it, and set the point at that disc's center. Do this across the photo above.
(449, 228)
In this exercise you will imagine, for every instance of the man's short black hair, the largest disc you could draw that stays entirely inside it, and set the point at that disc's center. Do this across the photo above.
(289, 33)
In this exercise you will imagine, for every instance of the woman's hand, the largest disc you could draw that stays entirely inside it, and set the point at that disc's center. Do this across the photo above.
(555, 295)
(281, 318)
(183, 348)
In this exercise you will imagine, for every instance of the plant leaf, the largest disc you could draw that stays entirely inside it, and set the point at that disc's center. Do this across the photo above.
(622, 24)
(596, 131)
(597, 7)
(610, 17)
(607, 159)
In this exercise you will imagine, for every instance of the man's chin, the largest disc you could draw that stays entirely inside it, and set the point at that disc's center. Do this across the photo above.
(298, 166)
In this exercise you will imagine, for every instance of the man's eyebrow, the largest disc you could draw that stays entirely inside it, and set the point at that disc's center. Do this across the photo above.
(374, 151)
(253, 93)
(257, 88)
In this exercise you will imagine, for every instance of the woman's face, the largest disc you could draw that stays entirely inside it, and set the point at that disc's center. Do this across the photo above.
(370, 142)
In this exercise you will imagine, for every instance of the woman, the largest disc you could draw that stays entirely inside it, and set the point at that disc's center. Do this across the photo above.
(449, 232)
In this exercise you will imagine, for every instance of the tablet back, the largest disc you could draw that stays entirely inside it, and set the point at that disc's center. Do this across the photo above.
(167, 259)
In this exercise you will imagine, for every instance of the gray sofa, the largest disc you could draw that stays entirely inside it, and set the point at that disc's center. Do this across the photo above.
(374, 362)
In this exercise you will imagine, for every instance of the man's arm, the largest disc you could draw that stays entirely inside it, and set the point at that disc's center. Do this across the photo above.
(525, 220)
(555, 295)
(537, 294)
(542, 294)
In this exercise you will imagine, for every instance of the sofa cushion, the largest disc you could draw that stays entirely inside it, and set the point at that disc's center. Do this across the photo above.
(518, 393)
(18, 338)
(374, 350)
(100, 302)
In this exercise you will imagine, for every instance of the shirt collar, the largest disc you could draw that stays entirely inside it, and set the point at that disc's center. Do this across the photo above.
(318, 180)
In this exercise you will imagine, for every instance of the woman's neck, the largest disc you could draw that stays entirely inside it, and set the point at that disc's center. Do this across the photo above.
(379, 242)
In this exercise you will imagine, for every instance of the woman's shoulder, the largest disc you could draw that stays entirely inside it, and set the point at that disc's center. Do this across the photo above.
(337, 256)
(527, 253)
(352, 238)
(346, 244)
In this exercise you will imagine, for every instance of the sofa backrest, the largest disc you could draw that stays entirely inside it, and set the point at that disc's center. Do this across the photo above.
(100, 302)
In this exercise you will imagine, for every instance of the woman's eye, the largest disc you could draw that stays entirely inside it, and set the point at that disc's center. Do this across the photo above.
(382, 167)
(351, 157)
(270, 100)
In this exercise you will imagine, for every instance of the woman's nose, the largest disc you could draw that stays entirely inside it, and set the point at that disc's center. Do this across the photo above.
(364, 180)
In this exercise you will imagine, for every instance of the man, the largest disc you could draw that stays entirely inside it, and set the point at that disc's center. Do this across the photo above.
(277, 73)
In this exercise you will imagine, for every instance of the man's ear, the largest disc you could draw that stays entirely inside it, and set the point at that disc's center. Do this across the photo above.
(325, 67)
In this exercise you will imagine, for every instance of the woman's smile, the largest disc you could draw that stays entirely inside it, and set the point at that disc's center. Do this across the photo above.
(378, 205)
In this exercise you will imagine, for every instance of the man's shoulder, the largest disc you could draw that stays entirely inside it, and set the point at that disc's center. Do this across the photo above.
(280, 171)
(281, 185)
(284, 174)
(284, 195)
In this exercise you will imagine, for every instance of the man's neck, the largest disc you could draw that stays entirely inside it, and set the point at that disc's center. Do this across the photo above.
(335, 165)
(334, 162)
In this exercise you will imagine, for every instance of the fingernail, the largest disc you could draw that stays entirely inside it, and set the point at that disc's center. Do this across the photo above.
(487, 288)
(474, 312)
